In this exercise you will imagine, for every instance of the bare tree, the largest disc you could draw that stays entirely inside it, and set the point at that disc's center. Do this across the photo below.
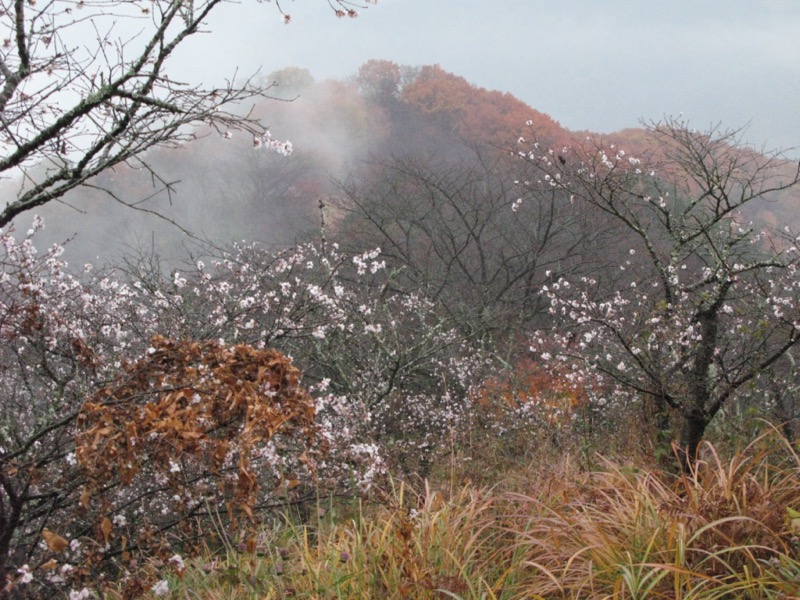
(74, 109)
(468, 233)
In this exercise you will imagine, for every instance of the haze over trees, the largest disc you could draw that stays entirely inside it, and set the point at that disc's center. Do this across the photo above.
(452, 273)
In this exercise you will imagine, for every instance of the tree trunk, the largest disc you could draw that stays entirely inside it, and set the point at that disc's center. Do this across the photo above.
(657, 415)
(694, 426)
(12, 504)
(695, 416)
(786, 413)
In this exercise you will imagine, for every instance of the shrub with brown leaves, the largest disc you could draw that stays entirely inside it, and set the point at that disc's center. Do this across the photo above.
(191, 428)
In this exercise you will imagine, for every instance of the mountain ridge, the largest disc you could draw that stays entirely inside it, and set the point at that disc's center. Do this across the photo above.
(224, 190)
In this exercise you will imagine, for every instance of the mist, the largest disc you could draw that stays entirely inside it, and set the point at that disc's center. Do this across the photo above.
(221, 189)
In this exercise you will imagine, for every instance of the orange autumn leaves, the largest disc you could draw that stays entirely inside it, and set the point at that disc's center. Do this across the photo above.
(479, 115)
(534, 385)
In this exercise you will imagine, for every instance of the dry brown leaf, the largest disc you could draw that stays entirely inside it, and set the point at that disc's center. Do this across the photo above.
(85, 497)
(55, 542)
(105, 528)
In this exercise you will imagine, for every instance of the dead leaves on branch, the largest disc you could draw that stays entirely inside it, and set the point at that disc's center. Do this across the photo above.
(196, 418)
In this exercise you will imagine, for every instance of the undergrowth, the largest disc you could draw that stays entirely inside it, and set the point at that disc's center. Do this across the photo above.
(730, 530)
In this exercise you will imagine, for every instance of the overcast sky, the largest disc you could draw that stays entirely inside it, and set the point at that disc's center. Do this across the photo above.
(600, 65)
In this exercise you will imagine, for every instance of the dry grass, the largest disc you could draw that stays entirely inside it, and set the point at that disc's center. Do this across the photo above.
(618, 532)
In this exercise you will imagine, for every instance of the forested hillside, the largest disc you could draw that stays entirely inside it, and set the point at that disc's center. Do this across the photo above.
(431, 283)
(224, 189)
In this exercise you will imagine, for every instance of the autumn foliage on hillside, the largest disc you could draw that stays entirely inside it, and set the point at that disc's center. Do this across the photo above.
(476, 114)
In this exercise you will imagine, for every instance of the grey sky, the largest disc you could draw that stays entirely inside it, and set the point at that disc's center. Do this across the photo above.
(600, 65)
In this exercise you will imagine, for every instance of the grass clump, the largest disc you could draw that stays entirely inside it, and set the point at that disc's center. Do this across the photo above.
(722, 532)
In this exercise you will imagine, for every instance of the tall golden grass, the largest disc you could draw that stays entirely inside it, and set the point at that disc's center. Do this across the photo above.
(728, 530)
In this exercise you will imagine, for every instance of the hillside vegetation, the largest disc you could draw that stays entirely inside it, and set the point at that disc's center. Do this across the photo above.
(547, 531)
(444, 348)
